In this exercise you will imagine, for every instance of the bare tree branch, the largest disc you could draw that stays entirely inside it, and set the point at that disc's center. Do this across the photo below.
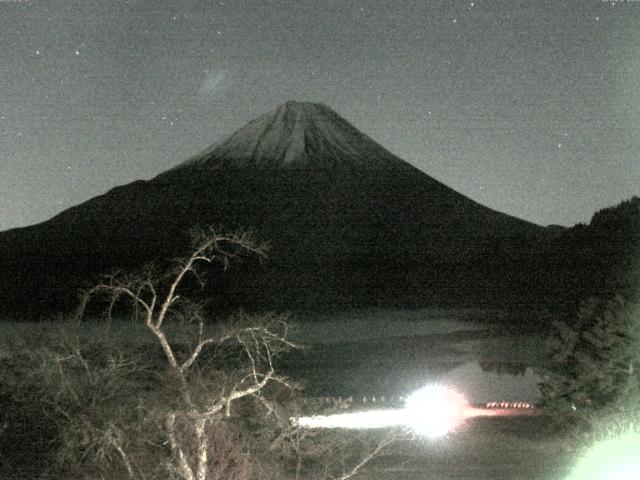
(157, 297)
(383, 444)
(178, 453)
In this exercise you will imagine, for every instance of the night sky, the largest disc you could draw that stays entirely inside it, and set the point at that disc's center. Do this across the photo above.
(529, 107)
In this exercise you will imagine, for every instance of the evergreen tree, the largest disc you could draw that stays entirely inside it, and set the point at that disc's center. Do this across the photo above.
(596, 360)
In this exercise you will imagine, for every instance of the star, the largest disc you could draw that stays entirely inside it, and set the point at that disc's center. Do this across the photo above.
(77, 52)
(37, 52)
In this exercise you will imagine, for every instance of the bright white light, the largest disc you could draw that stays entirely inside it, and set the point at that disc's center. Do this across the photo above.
(612, 459)
(435, 410)
(624, 472)
(357, 420)
(432, 411)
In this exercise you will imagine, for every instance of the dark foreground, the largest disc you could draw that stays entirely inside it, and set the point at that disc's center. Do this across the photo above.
(487, 449)
(518, 448)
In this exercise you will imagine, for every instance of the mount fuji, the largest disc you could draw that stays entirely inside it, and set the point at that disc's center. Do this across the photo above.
(348, 222)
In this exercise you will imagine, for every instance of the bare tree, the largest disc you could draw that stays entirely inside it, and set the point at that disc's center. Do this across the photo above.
(201, 401)
(189, 423)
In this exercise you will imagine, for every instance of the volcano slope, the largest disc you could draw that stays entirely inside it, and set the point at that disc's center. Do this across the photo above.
(348, 224)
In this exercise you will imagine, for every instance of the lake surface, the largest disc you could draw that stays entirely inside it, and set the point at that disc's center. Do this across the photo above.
(385, 352)
(388, 352)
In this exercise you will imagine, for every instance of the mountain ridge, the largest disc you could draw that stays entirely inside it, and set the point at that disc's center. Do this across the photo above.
(349, 224)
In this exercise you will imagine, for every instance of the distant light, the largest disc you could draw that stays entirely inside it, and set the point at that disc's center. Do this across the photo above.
(435, 410)
(613, 459)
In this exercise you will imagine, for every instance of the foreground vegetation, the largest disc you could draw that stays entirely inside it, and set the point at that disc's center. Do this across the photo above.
(200, 400)
(195, 403)
(592, 388)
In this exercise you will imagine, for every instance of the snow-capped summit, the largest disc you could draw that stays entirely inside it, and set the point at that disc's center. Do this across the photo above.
(298, 135)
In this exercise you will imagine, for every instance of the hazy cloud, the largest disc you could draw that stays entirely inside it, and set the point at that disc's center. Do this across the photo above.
(214, 81)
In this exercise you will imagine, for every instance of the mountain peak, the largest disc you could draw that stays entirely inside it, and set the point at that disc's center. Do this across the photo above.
(297, 135)
(302, 106)
(306, 109)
